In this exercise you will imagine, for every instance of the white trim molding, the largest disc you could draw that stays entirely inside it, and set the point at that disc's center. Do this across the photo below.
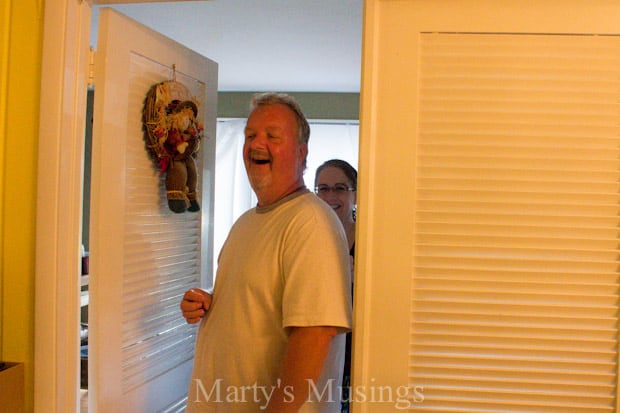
(59, 199)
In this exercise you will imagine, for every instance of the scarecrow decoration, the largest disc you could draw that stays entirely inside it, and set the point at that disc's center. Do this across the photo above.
(172, 132)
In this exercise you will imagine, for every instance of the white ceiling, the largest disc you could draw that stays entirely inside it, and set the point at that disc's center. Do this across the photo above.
(265, 45)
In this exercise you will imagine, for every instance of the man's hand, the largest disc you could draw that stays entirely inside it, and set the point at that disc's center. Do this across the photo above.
(195, 304)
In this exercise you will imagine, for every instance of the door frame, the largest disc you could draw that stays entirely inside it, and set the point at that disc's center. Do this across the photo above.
(66, 34)
(64, 78)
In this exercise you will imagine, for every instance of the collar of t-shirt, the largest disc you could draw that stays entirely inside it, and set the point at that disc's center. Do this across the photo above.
(298, 192)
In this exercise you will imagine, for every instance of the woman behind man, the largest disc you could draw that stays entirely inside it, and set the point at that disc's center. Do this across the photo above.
(335, 183)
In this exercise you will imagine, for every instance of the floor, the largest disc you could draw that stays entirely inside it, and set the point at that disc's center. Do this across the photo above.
(83, 401)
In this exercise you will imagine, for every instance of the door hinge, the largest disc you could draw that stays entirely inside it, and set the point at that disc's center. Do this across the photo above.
(91, 68)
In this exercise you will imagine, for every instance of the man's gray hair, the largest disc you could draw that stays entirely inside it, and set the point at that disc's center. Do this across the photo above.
(272, 98)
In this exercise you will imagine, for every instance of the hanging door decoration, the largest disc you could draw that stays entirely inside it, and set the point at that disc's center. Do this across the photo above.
(173, 132)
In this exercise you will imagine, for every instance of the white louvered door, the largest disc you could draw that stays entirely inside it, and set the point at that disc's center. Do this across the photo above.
(143, 256)
(487, 277)
(515, 280)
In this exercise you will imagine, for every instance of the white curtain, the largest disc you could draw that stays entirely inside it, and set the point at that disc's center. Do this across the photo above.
(233, 194)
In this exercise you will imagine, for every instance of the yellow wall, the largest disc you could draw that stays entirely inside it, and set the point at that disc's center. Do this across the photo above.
(21, 23)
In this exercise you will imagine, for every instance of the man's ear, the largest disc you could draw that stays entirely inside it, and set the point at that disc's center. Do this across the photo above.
(303, 154)
(303, 150)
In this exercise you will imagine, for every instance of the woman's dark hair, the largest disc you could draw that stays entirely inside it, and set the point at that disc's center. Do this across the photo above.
(344, 166)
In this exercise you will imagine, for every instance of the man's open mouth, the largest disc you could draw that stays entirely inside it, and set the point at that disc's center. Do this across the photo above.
(260, 158)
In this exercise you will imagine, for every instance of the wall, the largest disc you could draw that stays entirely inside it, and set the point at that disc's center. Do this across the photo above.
(315, 105)
(19, 113)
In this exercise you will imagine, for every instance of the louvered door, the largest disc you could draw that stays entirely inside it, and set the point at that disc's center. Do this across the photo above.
(143, 256)
(487, 277)
(515, 280)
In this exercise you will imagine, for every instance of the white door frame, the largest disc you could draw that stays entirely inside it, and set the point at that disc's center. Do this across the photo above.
(59, 197)
(66, 37)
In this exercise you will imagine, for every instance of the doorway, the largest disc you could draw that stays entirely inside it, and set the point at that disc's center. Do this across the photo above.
(54, 328)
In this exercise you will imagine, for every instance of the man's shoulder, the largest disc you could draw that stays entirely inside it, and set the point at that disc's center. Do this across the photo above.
(311, 202)
(311, 207)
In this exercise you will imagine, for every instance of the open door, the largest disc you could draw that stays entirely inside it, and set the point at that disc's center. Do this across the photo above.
(143, 256)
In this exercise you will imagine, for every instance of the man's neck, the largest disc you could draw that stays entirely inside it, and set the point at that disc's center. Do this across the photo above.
(265, 200)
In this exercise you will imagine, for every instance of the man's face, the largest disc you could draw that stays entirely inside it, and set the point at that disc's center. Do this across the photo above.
(272, 155)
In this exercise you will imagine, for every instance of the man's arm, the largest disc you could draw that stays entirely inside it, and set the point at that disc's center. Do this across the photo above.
(305, 355)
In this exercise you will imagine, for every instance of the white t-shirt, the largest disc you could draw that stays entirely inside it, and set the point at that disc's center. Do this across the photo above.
(283, 266)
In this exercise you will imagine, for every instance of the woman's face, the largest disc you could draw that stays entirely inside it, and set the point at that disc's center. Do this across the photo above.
(333, 186)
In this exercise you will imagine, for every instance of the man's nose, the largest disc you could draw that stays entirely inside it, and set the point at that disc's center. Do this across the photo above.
(258, 141)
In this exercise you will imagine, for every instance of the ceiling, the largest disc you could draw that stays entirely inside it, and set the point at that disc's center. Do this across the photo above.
(265, 45)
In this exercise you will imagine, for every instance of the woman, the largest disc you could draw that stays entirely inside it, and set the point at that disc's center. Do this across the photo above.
(336, 184)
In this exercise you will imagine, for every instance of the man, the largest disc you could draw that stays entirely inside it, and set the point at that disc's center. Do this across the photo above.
(271, 334)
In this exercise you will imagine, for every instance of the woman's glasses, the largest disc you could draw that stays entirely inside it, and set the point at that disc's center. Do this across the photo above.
(337, 189)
